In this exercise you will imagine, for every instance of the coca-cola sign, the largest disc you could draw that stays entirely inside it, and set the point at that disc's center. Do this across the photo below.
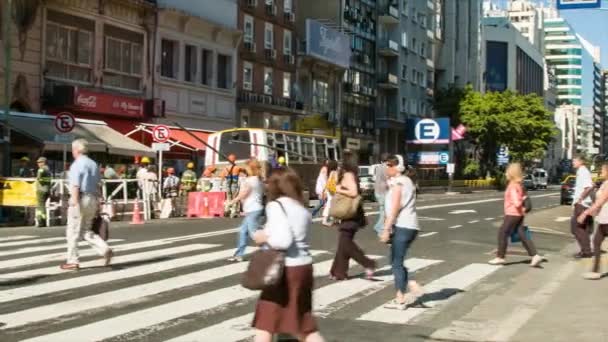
(89, 101)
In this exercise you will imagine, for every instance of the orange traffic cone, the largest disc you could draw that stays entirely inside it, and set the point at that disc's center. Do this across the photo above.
(136, 214)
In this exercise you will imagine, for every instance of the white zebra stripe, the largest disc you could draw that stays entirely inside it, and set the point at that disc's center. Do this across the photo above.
(38, 259)
(156, 315)
(124, 295)
(17, 237)
(455, 281)
(237, 329)
(94, 279)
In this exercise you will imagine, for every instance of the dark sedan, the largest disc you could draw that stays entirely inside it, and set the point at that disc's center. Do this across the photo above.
(567, 193)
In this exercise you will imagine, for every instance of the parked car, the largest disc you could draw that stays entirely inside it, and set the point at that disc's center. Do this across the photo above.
(366, 183)
(540, 179)
(529, 182)
(567, 192)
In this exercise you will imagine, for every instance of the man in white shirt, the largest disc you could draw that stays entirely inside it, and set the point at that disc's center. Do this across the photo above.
(581, 201)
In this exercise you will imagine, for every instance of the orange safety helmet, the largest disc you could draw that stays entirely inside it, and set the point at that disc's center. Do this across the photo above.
(209, 170)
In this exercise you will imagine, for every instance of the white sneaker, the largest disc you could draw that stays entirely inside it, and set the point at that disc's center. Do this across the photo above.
(235, 259)
(536, 260)
(395, 305)
(592, 275)
(497, 261)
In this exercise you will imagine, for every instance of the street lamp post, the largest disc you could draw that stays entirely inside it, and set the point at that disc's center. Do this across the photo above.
(6, 131)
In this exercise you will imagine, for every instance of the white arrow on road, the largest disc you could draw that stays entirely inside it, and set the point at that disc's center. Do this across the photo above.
(456, 212)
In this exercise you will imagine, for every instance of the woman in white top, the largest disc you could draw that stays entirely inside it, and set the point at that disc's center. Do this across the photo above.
(400, 229)
(251, 195)
(600, 207)
(287, 307)
(320, 188)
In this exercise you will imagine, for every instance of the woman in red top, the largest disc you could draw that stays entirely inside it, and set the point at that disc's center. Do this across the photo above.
(514, 217)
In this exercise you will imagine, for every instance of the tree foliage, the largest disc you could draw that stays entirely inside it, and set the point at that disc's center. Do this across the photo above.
(520, 122)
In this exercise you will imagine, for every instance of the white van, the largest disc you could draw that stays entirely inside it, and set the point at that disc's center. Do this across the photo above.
(540, 178)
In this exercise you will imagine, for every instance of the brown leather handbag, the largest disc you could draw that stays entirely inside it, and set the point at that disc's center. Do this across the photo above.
(266, 267)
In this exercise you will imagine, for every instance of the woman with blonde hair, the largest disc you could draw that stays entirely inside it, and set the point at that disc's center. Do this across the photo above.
(514, 217)
(251, 196)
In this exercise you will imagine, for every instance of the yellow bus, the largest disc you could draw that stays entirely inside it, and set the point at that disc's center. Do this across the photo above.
(303, 152)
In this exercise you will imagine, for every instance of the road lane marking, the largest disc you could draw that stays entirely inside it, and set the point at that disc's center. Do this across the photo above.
(140, 319)
(428, 234)
(562, 219)
(424, 218)
(325, 299)
(107, 299)
(445, 287)
(458, 212)
(474, 221)
(456, 226)
(121, 274)
(488, 219)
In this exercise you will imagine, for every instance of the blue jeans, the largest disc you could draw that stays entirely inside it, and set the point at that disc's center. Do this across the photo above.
(318, 208)
(401, 241)
(248, 227)
(380, 223)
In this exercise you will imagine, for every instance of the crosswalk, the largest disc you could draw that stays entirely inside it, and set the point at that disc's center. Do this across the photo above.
(163, 287)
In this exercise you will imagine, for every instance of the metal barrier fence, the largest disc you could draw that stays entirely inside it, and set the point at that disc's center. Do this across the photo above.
(469, 183)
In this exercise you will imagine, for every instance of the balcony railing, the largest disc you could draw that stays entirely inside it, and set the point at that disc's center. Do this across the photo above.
(388, 81)
(389, 15)
(248, 97)
(389, 48)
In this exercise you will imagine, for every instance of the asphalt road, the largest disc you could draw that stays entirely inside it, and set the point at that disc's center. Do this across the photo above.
(170, 280)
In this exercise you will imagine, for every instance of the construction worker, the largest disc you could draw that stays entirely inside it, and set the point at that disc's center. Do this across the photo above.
(24, 170)
(230, 175)
(188, 184)
(170, 193)
(142, 172)
(43, 190)
(204, 183)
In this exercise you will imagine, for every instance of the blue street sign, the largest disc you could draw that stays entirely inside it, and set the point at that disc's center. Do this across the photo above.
(428, 131)
(574, 4)
(429, 158)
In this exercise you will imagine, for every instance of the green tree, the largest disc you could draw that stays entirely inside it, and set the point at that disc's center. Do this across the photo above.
(520, 122)
(446, 103)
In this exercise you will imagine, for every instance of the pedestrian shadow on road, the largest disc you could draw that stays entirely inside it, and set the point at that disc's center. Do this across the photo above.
(21, 281)
(440, 295)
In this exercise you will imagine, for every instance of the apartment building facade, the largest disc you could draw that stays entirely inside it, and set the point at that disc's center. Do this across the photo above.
(457, 44)
(195, 63)
(267, 64)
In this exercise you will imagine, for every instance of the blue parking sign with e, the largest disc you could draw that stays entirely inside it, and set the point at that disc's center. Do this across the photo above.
(428, 131)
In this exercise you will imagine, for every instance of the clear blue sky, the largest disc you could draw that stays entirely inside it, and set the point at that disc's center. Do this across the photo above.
(591, 24)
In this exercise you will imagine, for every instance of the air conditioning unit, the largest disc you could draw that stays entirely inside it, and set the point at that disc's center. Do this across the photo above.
(252, 3)
(271, 53)
(250, 46)
(292, 17)
(356, 88)
(289, 59)
(366, 59)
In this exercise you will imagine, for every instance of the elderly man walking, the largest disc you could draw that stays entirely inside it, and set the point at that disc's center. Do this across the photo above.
(84, 181)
